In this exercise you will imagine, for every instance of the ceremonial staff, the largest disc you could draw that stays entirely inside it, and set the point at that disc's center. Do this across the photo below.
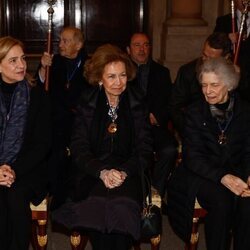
(246, 4)
(233, 21)
(49, 39)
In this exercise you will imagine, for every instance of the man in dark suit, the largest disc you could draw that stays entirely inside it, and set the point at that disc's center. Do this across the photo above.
(186, 88)
(155, 83)
(66, 84)
(224, 24)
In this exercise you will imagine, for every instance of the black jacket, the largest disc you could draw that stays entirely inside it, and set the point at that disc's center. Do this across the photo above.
(31, 163)
(185, 91)
(204, 158)
(158, 91)
(66, 84)
(224, 24)
(89, 136)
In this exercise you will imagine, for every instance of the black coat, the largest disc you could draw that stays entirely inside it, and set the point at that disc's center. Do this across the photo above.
(159, 87)
(66, 84)
(224, 24)
(132, 154)
(186, 90)
(158, 92)
(204, 158)
(31, 163)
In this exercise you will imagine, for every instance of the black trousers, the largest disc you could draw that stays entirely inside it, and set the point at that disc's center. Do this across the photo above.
(227, 214)
(105, 241)
(165, 147)
(15, 218)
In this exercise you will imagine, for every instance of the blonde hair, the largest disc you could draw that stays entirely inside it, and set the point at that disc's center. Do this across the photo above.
(6, 44)
(105, 54)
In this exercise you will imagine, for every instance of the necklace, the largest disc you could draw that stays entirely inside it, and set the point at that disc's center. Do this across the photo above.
(112, 128)
(222, 140)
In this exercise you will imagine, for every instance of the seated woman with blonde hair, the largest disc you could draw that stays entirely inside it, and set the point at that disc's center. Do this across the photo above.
(25, 139)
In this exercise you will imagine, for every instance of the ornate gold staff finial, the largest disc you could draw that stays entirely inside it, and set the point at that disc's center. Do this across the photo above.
(50, 12)
(49, 40)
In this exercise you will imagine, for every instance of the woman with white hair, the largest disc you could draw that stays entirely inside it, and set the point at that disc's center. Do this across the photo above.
(216, 160)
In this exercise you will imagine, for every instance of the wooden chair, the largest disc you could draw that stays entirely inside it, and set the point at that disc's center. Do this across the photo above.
(79, 242)
(199, 213)
(39, 225)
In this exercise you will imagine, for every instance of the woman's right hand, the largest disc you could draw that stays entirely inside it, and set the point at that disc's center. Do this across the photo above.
(234, 184)
(7, 175)
(112, 178)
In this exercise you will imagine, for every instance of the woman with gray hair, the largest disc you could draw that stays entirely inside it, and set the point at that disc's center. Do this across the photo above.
(216, 160)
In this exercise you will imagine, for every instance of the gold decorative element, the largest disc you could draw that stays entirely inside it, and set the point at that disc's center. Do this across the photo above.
(75, 240)
(194, 238)
(42, 222)
(156, 240)
(195, 219)
(42, 240)
(112, 128)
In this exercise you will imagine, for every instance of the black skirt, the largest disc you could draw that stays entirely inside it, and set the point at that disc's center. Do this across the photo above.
(104, 214)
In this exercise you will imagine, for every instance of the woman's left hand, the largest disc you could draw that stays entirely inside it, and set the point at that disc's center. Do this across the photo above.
(116, 178)
(113, 178)
(246, 192)
(234, 183)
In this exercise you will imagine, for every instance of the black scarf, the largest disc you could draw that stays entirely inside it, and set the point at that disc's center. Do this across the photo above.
(223, 114)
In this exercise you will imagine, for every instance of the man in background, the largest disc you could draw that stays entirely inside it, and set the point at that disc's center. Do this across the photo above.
(66, 84)
(224, 24)
(186, 88)
(154, 81)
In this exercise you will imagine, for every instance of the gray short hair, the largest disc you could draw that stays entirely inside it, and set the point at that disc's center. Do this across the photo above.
(224, 68)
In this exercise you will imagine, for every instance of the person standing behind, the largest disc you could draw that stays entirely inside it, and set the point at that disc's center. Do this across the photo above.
(155, 83)
(66, 84)
(224, 24)
(186, 88)
(25, 138)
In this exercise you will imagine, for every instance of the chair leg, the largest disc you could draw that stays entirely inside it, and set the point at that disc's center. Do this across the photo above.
(34, 241)
(42, 234)
(78, 241)
(39, 234)
(192, 245)
(155, 242)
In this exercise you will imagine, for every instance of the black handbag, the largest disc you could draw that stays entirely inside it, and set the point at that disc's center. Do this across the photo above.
(151, 220)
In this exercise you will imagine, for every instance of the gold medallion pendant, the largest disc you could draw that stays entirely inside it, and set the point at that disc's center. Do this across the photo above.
(112, 128)
(222, 139)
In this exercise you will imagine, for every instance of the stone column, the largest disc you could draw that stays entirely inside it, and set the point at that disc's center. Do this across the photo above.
(183, 33)
(186, 12)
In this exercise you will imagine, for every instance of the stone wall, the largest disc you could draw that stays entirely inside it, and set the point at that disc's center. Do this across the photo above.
(179, 27)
